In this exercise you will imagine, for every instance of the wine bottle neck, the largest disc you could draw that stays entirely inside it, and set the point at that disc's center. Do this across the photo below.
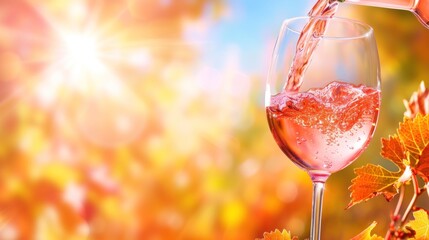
(394, 4)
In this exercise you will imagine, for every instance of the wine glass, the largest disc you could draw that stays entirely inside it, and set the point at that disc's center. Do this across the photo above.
(323, 97)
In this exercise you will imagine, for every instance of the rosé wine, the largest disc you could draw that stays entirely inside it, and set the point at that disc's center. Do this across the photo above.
(324, 130)
(308, 41)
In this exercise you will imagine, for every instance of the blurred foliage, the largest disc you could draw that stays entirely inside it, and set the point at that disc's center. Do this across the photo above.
(163, 148)
(161, 145)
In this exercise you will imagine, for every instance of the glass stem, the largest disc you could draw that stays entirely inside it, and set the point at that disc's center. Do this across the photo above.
(316, 213)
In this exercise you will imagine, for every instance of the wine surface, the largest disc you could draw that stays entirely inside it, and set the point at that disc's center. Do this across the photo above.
(324, 129)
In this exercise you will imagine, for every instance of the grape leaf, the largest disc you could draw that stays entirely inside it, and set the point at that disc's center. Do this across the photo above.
(366, 234)
(372, 181)
(393, 149)
(423, 165)
(409, 147)
(277, 235)
(414, 134)
(420, 224)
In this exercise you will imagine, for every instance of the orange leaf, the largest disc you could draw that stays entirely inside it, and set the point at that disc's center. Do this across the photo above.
(414, 134)
(372, 181)
(366, 234)
(393, 149)
(420, 224)
(277, 235)
(423, 165)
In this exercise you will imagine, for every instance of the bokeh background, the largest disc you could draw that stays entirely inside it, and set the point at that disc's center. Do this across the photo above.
(144, 119)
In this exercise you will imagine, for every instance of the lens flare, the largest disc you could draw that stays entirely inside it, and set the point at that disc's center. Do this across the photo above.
(85, 81)
(81, 51)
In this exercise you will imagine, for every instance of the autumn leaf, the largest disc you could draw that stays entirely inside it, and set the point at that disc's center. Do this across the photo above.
(423, 165)
(277, 235)
(418, 102)
(372, 181)
(414, 134)
(366, 234)
(393, 150)
(420, 224)
(408, 149)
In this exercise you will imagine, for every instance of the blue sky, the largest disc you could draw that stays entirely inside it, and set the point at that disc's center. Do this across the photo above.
(248, 28)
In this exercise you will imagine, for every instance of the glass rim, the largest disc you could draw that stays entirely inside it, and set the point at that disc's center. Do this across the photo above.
(367, 32)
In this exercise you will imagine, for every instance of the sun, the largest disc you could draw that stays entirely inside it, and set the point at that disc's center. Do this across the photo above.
(78, 63)
(80, 52)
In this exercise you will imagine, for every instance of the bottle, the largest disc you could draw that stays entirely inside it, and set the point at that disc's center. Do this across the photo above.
(420, 8)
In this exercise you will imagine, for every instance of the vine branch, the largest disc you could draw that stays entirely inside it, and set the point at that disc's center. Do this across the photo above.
(417, 192)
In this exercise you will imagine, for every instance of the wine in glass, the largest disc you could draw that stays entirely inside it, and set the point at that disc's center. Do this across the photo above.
(323, 97)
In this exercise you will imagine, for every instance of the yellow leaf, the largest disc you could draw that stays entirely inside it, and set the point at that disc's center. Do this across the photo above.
(372, 181)
(420, 224)
(414, 133)
(366, 234)
(277, 235)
